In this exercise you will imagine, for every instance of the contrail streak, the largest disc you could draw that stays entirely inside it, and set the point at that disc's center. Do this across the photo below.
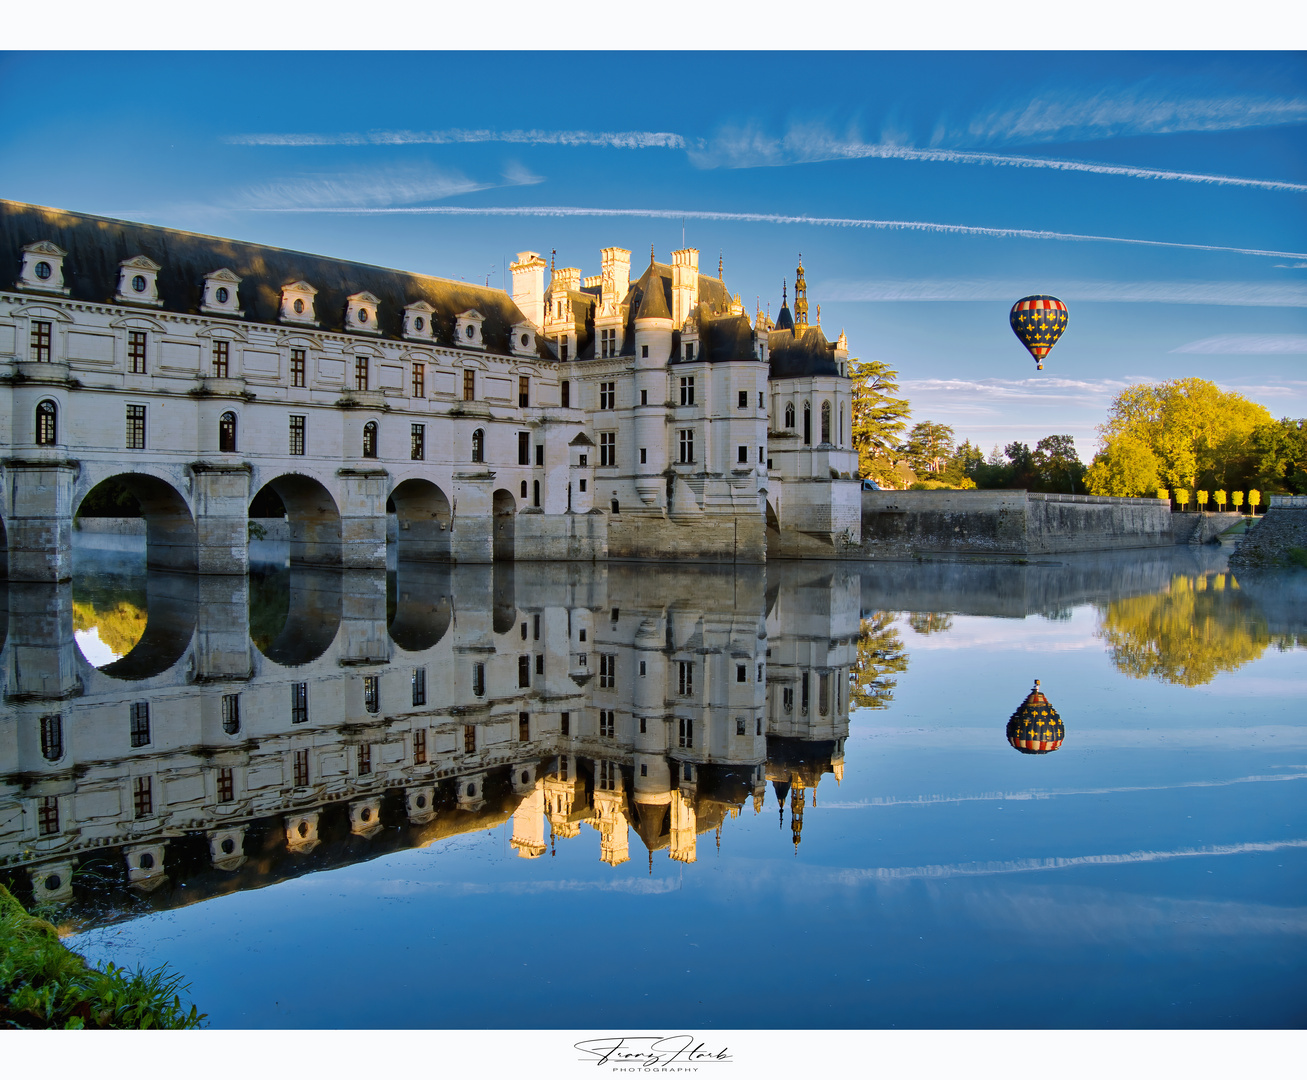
(617, 140)
(765, 219)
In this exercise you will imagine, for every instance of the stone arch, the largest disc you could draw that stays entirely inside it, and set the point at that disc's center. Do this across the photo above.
(170, 536)
(505, 525)
(422, 517)
(312, 519)
(773, 521)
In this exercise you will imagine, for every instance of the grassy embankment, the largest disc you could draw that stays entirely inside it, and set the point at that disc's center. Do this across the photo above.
(43, 984)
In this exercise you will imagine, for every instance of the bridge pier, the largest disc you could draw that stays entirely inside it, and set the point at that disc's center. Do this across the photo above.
(222, 643)
(221, 495)
(362, 517)
(41, 649)
(39, 524)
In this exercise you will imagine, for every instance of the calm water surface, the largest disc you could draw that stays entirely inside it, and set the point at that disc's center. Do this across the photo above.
(432, 804)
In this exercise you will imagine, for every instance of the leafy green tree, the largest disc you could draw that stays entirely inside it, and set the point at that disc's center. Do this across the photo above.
(1219, 495)
(1279, 452)
(1254, 500)
(1125, 467)
(1236, 497)
(1056, 464)
(879, 418)
(928, 445)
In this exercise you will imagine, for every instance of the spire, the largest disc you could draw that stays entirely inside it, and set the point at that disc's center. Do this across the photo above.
(719, 265)
(784, 320)
(552, 253)
(800, 297)
(651, 255)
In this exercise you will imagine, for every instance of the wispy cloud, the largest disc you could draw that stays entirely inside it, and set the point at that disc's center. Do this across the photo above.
(1237, 293)
(780, 219)
(751, 147)
(615, 140)
(372, 190)
(1248, 345)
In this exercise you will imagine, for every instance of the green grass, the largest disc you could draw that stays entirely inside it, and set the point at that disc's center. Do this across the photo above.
(43, 984)
(1298, 557)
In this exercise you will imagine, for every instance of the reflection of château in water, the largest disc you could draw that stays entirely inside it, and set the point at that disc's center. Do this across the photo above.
(367, 722)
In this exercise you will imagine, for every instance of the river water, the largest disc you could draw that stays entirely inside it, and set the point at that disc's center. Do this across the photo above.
(424, 798)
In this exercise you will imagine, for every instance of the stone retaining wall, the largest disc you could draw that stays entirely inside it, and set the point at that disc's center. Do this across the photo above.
(1283, 526)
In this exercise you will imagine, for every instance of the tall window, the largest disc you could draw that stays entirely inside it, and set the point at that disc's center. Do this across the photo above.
(823, 694)
(608, 774)
(417, 447)
(142, 797)
(469, 739)
(608, 343)
(743, 400)
(803, 693)
(607, 723)
(419, 682)
(787, 699)
(478, 445)
(47, 815)
(523, 727)
(524, 448)
(689, 350)
(687, 390)
(47, 423)
(562, 349)
(742, 455)
(360, 373)
(136, 352)
(299, 703)
(419, 380)
(565, 723)
(741, 673)
(687, 446)
(365, 759)
(685, 677)
(41, 340)
(562, 765)
(607, 448)
(135, 427)
(301, 768)
(608, 395)
(789, 414)
(469, 385)
(297, 367)
(524, 671)
(565, 394)
(52, 737)
(226, 785)
(825, 421)
(297, 436)
(685, 729)
(371, 693)
(140, 716)
(739, 725)
(479, 679)
(221, 356)
(420, 746)
(523, 390)
(231, 713)
(807, 424)
(607, 670)
(227, 433)
(839, 434)
(370, 439)
(535, 493)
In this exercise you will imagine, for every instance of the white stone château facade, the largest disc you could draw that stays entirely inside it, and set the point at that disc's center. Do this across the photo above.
(582, 418)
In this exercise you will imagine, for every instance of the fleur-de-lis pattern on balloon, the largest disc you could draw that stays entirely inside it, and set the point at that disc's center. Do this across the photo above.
(1038, 321)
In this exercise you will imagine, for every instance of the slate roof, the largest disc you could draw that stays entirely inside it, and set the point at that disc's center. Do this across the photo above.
(97, 245)
(800, 353)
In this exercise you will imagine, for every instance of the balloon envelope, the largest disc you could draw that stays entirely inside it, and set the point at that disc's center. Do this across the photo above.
(1038, 321)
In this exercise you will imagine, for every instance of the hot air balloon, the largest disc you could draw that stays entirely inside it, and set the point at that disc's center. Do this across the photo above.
(1038, 321)
(1035, 728)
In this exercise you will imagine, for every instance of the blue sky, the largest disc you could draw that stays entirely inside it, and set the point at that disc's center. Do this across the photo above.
(1049, 163)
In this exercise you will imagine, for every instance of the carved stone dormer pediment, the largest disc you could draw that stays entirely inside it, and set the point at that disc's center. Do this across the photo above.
(417, 321)
(138, 282)
(361, 313)
(297, 303)
(221, 293)
(467, 329)
(524, 339)
(43, 269)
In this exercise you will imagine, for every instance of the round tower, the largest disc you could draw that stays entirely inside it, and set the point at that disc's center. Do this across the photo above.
(653, 349)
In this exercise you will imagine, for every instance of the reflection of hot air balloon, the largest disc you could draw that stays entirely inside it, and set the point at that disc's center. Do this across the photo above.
(1035, 728)
(1038, 321)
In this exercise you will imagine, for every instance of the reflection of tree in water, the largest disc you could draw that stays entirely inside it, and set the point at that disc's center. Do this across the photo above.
(114, 606)
(1199, 627)
(930, 622)
(880, 654)
(269, 603)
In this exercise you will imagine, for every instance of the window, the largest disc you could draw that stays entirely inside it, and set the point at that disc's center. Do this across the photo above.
(608, 395)
(644, 770)
(685, 730)
(581, 634)
(608, 773)
(226, 785)
(685, 677)
(807, 424)
(420, 746)
(644, 352)
(52, 737)
(803, 693)
(739, 725)
(607, 723)
(41, 338)
(365, 759)
(687, 447)
(762, 455)
(370, 439)
(419, 380)
(643, 725)
(360, 373)
(479, 679)
(469, 385)
(787, 699)
(607, 671)
(644, 456)
(419, 685)
(823, 694)
(743, 400)
(741, 673)
(642, 669)
(301, 768)
(761, 403)
(607, 449)
(760, 673)
(565, 394)
(142, 797)
(524, 489)
(227, 433)
(524, 631)
(478, 445)
(135, 427)
(417, 444)
(540, 456)
(687, 772)
(825, 421)
(644, 397)
(231, 713)
(687, 390)
(523, 727)
(562, 349)
(136, 352)
(582, 480)
(523, 391)
(758, 727)
(371, 693)
(524, 448)
(562, 765)
(789, 414)
(615, 614)
(689, 350)
(524, 671)
(47, 423)
(535, 494)
(297, 367)
(540, 663)
(535, 626)
(469, 739)
(221, 358)
(299, 703)
(607, 343)
(140, 714)
(742, 454)
(297, 436)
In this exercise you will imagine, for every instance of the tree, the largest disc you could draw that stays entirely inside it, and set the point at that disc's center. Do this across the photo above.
(879, 418)
(1236, 497)
(1182, 497)
(1280, 456)
(1219, 496)
(880, 654)
(1254, 499)
(927, 447)
(1202, 501)
(1057, 464)
(1125, 467)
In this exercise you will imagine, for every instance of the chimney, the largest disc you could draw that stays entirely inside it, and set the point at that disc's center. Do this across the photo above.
(685, 284)
(616, 274)
(529, 287)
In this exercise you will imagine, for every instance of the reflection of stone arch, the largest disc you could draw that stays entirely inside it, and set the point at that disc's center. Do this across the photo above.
(505, 524)
(420, 610)
(423, 518)
(4, 551)
(170, 541)
(294, 612)
(170, 611)
(312, 519)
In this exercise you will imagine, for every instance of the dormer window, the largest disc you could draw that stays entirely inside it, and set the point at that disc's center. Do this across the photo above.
(417, 321)
(220, 293)
(467, 330)
(43, 268)
(297, 303)
(138, 282)
(361, 313)
(523, 339)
